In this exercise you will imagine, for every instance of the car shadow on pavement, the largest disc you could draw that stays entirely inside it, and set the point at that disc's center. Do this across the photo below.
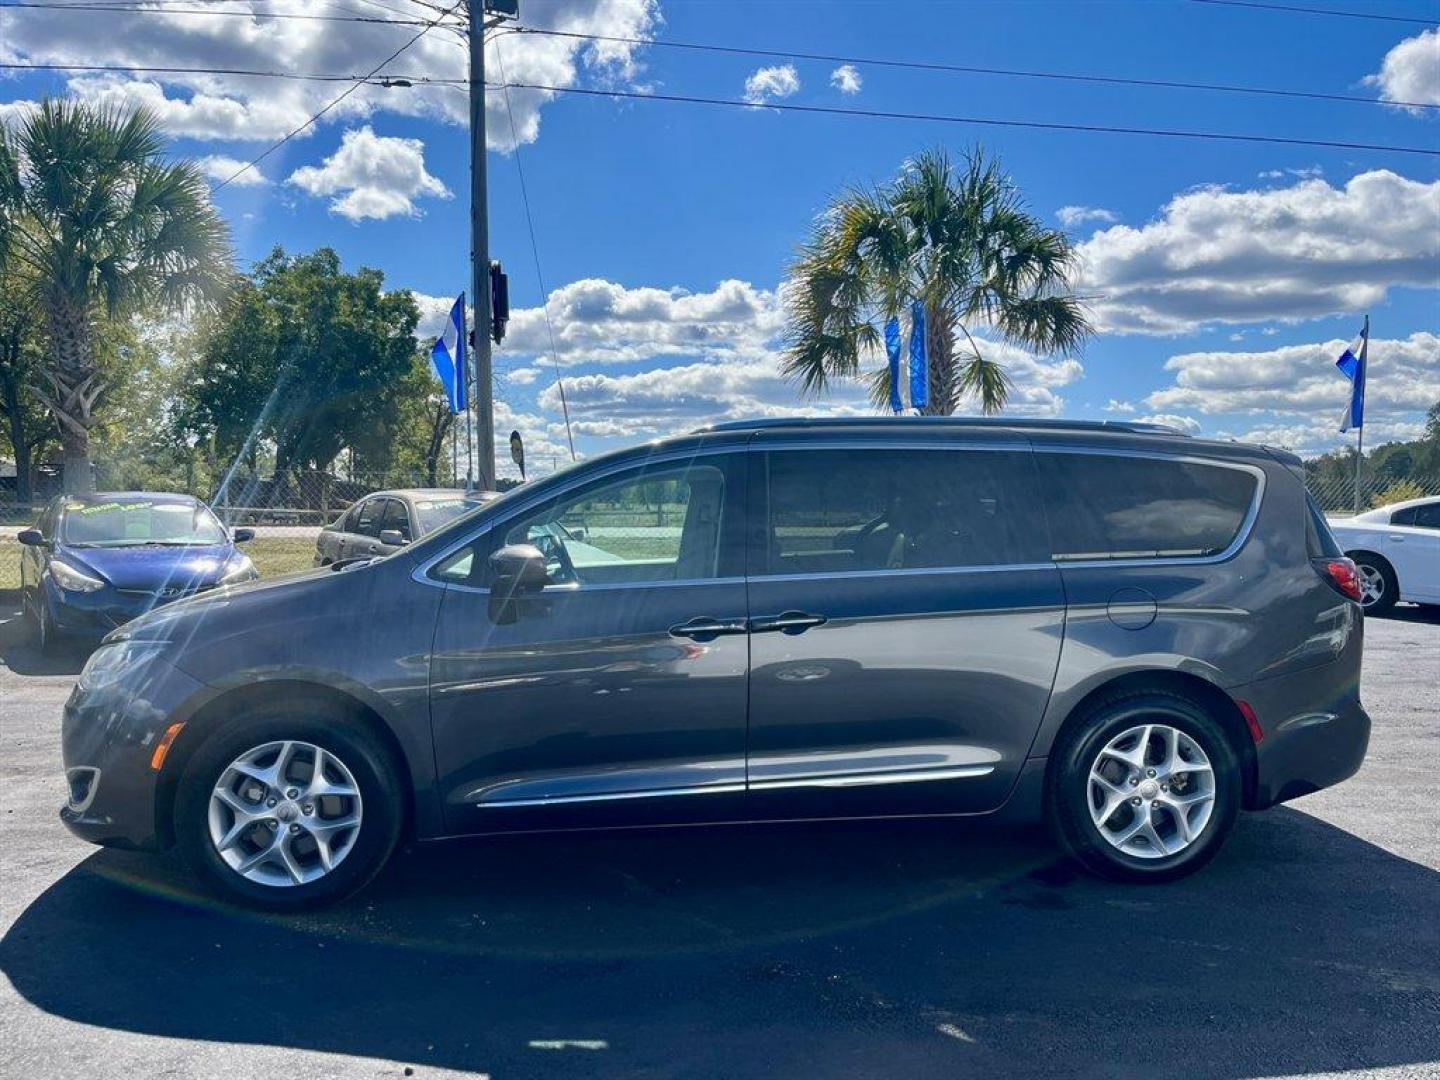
(21, 654)
(877, 949)
(1425, 614)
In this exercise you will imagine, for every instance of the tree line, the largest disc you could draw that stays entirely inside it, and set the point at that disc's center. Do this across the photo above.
(128, 337)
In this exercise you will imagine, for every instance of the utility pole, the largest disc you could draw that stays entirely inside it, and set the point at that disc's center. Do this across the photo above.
(483, 400)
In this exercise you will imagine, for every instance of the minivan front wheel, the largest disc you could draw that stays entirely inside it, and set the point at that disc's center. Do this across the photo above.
(289, 809)
(1146, 788)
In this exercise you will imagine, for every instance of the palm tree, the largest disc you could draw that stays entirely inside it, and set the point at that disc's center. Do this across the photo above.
(960, 241)
(104, 227)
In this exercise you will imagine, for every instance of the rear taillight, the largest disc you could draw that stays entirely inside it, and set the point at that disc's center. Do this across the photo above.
(1342, 575)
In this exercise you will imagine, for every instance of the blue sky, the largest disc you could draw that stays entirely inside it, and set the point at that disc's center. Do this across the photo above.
(1222, 272)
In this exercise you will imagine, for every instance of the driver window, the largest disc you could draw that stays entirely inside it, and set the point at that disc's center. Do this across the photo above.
(655, 526)
(660, 523)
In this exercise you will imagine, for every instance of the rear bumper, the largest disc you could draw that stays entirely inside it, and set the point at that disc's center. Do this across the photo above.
(1315, 730)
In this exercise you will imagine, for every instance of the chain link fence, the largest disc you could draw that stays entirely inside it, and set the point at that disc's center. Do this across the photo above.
(1336, 494)
(302, 498)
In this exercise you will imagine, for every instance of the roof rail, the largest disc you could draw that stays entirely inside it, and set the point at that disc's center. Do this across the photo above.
(1134, 426)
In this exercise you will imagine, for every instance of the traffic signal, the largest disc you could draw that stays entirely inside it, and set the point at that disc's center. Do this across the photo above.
(499, 302)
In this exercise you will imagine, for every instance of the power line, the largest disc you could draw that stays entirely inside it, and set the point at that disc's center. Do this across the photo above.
(1317, 11)
(245, 72)
(917, 65)
(336, 101)
(983, 121)
(126, 9)
(535, 251)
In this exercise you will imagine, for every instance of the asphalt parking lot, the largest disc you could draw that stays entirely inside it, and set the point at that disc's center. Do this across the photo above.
(1310, 947)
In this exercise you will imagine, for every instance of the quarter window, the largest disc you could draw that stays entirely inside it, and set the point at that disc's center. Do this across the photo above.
(1424, 516)
(1112, 507)
(840, 511)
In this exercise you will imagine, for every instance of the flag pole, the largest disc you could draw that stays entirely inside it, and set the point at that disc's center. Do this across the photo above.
(1360, 428)
(469, 413)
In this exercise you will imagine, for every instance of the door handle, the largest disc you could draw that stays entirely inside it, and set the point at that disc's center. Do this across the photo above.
(1395, 539)
(789, 622)
(704, 627)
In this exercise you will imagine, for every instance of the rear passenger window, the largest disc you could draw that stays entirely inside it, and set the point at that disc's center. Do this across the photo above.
(838, 511)
(1106, 506)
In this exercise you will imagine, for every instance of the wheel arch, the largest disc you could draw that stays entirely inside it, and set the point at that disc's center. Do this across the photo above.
(232, 703)
(1204, 693)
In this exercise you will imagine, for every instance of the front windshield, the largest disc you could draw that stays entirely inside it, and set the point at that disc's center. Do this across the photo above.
(430, 514)
(137, 522)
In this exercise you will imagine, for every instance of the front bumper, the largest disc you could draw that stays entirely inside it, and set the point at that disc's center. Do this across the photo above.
(95, 614)
(107, 739)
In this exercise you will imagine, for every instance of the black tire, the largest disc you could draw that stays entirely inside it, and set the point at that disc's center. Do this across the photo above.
(1368, 563)
(375, 773)
(42, 630)
(1068, 787)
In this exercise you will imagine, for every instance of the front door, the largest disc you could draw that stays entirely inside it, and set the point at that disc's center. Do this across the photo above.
(617, 694)
(906, 623)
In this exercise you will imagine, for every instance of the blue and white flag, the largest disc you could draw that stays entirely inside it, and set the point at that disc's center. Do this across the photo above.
(1352, 364)
(892, 353)
(919, 367)
(447, 358)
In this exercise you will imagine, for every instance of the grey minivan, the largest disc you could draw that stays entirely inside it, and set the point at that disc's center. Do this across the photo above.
(1126, 632)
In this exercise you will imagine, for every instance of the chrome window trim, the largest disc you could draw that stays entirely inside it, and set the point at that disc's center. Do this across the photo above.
(914, 571)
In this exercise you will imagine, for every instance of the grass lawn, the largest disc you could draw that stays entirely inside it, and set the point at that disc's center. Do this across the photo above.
(273, 555)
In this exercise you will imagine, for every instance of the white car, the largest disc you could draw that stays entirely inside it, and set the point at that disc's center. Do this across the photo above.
(1397, 550)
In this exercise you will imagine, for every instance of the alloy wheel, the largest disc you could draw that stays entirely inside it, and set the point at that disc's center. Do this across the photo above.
(1151, 791)
(1372, 585)
(285, 813)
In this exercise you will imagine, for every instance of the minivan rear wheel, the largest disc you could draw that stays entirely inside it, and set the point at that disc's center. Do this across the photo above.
(289, 808)
(1145, 787)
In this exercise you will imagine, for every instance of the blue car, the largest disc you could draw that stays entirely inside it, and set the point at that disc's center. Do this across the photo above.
(94, 562)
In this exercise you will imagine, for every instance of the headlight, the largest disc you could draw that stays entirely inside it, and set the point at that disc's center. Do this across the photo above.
(110, 663)
(72, 580)
(238, 569)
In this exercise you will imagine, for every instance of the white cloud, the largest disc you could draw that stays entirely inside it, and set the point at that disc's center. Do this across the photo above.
(601, 322)
(1070, 216)
(1410, 72)
(1296, 395)
(523, 376)
(1307, 172)
(221, 167)
(1114, 405)
(14, 112)
(1215, 255)
(771, 83)
(237, 107)
(1187, 424)
(846, 78)
(665, 400)
(375, 176)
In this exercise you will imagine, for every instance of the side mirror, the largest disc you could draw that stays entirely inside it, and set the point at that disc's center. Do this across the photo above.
(31, 537)
(393, 538)
(243, 536)
(515, 569)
